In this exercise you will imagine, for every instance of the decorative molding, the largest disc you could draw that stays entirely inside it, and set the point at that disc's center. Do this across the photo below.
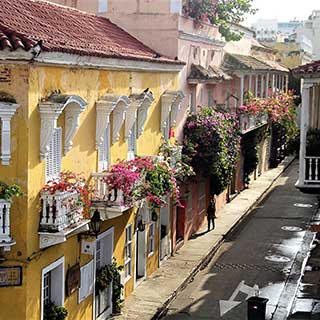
(176, 107)
(50, 111)
(138, 110)
(143, 111)
(170, 102)
(119, 114)
(7, 110)
(74, 107)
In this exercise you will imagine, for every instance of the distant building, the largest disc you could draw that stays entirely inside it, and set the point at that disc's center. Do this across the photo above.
(273, 31)
(311, 29)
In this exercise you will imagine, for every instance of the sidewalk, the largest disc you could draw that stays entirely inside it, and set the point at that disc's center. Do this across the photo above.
(151, 298)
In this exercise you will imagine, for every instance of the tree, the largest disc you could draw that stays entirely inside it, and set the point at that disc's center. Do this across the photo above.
(222, 13)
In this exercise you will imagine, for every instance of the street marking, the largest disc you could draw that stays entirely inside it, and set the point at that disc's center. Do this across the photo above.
(291, 229)
(303, 205)
(277, 258)
(228, 305)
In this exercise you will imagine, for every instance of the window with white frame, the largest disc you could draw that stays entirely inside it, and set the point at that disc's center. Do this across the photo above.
(152, 229)
(103, 6)
(104, 150)
(132, 142)
(128, 252)
(53, 158)
(52, 288)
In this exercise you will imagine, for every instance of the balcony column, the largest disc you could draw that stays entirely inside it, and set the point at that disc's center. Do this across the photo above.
(304, 129)
(262, 86)
(241, 89)
(257, 85)
(286, 83)
(273, 83)
(267, 85)
(250, 82)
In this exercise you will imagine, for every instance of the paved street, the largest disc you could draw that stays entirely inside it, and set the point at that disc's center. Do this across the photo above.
(261, 253)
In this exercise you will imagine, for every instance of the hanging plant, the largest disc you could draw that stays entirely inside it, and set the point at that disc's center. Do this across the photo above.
(144, 179)
(172, 154)
(211, 145)
(9, 191)
(53, 312)
(111, 274)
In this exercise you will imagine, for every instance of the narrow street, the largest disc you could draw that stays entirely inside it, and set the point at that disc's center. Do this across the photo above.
(259, 254)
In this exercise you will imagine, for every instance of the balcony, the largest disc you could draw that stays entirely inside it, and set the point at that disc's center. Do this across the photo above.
(61, 217)
(251, 122)
(5, 239)
(109, 201)
(311, 174)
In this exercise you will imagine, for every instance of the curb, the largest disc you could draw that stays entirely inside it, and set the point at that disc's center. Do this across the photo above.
(203, 263)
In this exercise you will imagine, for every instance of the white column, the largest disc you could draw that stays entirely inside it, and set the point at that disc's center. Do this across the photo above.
(304, 128)
(267, 85)
(284, 82)
(241, 89)
(262, 86)
(250, 82)
(287, 83)
(273, 83)
(257, 85)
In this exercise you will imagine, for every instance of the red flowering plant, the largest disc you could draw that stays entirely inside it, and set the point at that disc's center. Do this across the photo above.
(68, 181)
(143, 179)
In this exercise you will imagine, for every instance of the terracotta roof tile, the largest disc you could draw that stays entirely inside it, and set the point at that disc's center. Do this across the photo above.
(313, 67)
(201, 74)
(23, 23)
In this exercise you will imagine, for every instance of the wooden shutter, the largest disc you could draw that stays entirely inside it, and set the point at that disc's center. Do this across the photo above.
(86, 281)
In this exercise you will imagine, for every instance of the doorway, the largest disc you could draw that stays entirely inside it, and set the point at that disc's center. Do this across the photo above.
(140, 270)
(165, 246)
(103, 257)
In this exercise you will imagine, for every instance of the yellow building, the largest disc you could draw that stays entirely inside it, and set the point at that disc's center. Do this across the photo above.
(77, 93)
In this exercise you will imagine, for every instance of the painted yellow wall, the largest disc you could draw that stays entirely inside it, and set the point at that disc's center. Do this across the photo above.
(29, 84)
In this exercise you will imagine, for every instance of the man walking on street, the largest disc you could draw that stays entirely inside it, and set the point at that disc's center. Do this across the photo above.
(211, 213)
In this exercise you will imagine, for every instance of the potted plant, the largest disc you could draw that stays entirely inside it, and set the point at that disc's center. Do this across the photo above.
(53, 312)
(9, 191)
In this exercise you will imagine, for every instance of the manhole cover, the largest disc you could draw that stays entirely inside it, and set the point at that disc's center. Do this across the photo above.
(292, 228)
(303, 205)
(276, 258)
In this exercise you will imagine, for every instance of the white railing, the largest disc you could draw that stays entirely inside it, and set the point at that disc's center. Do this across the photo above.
(250, 122)
(60, 211)
(5, 221)
(312, 170)
(103, 193)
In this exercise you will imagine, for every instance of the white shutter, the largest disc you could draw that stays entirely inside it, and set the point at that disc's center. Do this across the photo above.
(104, 151)
(53, 159)
(132, 142)
(86, 281)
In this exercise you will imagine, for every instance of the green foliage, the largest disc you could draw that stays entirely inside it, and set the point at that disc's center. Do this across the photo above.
(53, 312)
(172, 154)
(293, 145)
(250, 147)
(313, 143)
(7, 191)
(221, 13)
(108, 274)
(211, 146)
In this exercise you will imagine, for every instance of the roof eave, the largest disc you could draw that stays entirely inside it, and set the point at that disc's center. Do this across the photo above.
(68, 60)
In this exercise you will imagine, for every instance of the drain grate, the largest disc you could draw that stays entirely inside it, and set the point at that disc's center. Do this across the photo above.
(248, 267)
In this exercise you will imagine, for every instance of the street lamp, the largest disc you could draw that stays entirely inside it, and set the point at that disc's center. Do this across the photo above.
(95, 223)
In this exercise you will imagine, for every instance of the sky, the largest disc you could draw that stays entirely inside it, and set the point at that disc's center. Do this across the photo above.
(283, 10)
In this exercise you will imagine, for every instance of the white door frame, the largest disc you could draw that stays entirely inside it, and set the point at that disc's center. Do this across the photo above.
(108, 312)
(136, 283)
